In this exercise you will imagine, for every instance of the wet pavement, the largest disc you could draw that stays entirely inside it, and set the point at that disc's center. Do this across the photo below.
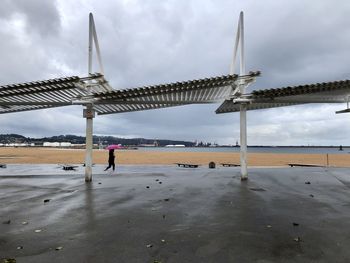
(170, 214)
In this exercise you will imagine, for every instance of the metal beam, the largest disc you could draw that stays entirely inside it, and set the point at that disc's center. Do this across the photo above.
(343, 111)
(132, 110)
(146, 102)
(301, 100)
(32, 103)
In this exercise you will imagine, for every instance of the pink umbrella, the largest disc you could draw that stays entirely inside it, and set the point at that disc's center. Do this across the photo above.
(114, 146)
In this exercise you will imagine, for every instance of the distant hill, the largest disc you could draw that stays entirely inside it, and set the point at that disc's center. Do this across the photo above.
(105, 140)
(12, 138)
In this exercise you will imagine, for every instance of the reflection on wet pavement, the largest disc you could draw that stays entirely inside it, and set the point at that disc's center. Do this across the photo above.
(199, 215)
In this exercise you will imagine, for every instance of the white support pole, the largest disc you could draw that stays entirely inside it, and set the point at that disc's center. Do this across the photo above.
(88, 114)
(91, 20)
(94, 40)
(235, 49)
(97, 47)
(243, 107)
(243, 141)
(241, 31)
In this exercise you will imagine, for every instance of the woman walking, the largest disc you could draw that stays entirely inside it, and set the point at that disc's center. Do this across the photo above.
(111, 159)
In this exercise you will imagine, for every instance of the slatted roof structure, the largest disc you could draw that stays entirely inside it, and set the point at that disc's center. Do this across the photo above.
(208, 90)
(326, 92)
(96, 91)
(48, 93)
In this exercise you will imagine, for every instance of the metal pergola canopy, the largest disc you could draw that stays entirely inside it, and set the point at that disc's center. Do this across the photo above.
(197, 91)
(96, 91)
(45, 94)
(326, 92)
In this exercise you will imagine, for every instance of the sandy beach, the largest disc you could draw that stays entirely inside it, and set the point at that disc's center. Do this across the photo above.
(68, 156)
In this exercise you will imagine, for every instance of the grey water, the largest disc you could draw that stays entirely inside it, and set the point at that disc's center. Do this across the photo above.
(252, 149)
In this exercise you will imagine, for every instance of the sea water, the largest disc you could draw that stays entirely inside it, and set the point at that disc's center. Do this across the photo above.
(252, 149)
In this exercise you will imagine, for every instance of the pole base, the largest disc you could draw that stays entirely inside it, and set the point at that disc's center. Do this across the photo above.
(88, 180)
(244, 178)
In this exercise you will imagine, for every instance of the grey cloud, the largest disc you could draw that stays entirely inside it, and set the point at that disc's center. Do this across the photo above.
(42, 16)
(27, 29)
(44, 122)
(7, 9)
(300, 43)
(317, 124)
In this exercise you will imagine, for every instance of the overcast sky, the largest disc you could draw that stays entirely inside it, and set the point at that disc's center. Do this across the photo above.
(151, 42)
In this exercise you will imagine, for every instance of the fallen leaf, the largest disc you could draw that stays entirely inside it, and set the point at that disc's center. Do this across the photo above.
(297, 239)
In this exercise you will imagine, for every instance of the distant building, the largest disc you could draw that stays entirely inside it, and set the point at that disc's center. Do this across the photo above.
(57, 144)
(147, 145)
(17, 144)
(51, 144)
(65, 144)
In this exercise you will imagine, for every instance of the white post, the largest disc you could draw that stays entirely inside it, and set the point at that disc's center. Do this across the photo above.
(241, 31)
(243, 141)
(94, 40)
(89, 112)
(97, 46)
(243, 107)
(90, 43)
(89, 115)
